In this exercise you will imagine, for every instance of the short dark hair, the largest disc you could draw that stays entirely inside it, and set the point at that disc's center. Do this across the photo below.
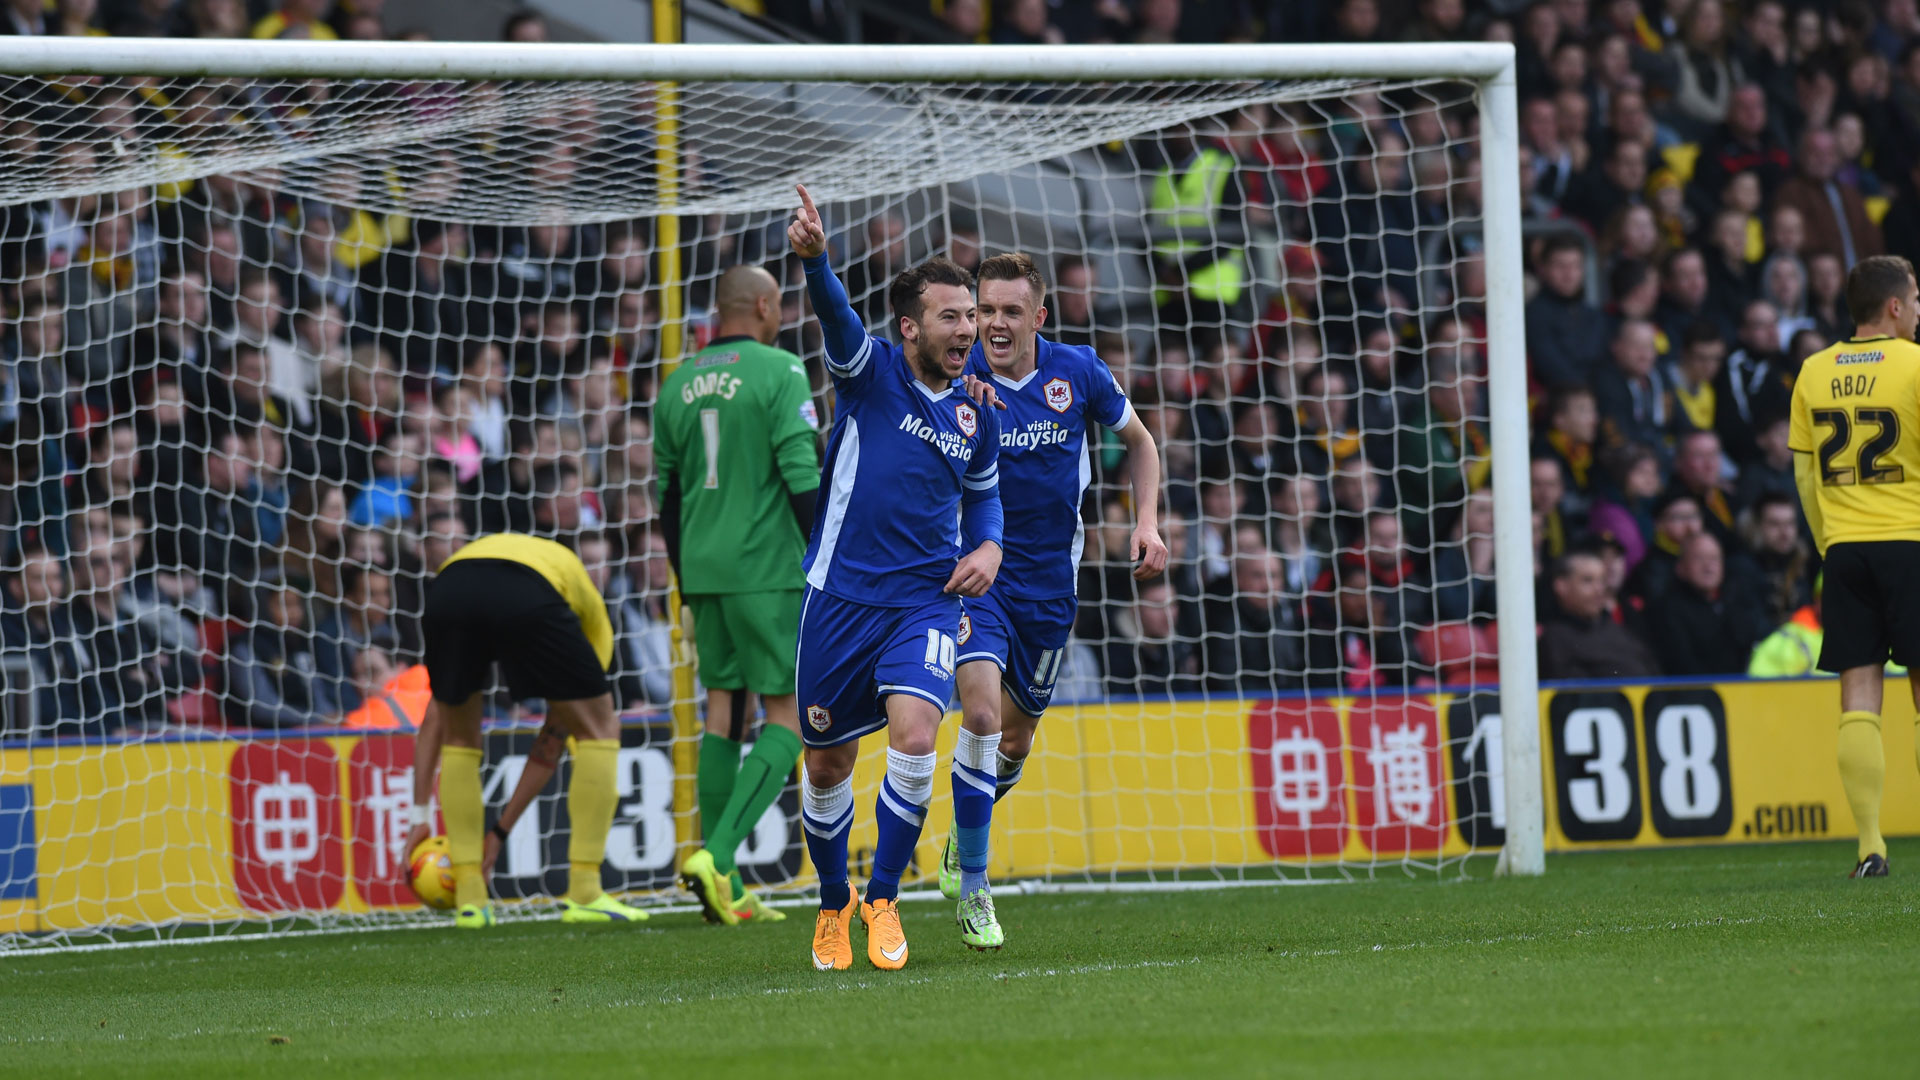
(1557, 244)
(1013, 266)
(1775, 498)
(904, 295)
(1701, 332)
(1562, 567)
(1561, 395)
(1872, 282)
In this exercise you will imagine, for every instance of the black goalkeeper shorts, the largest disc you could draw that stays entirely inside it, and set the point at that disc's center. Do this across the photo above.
(480, 611)
(1870, 605)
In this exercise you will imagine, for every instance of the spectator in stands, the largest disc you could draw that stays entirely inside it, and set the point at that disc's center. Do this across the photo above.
(1026, 23)
(1369, 226)
(1707, 73)
(1572, 440)
(1600, 194)
(885, 255)
(303, 20)
(1145, 657)
(207, 530)
(1463, 586)
(270, 671)
(1780, 553)
(1631, 393)
(36, 631)
(1547, 488)
(1685, 294)
(1676, 519)
(1253, 635)
(1699, 474)
(354, 412)
(364, 618)
(1565, 334)
(178, 336)
(1826, 295)
(1581, 636)
(1835, 212)
(642, 627)
(1744, 143)
(1623, 512)
(1755, 383)
(130, 677)
(1699, 626)
(1731, 279)
(1783, 283)
(1771, 470)
(1075, 283)
(1445, 450)
(114, 473)
(416, 298)
(1792, 651)
(1351, 644)
(524, 27)
(1549, 162)
(1695, 377)
(387, 498)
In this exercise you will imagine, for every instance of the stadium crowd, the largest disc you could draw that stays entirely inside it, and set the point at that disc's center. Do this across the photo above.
(243, 423)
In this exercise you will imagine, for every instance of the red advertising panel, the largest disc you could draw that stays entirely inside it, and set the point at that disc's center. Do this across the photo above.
(287, 852)
(1299, 798)
(380, 789)
(1398, 786)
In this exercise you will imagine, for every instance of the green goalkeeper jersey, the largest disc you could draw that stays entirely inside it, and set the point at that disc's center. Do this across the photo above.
(735, 429)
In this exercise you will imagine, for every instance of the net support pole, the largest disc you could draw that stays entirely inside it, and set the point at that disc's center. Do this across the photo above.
(1525, 850)
(667, 20)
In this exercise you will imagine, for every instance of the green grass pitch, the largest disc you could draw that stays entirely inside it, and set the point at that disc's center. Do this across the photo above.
(1743, 962)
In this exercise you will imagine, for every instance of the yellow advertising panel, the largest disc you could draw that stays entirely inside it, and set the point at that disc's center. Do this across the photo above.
(222, 829)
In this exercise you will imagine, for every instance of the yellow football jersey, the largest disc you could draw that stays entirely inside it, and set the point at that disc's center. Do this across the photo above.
(1856, 410)
(563, 569)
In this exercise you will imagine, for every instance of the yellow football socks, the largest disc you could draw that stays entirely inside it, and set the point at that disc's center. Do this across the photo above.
(1863, 772)
(466, 819)
(590, 801)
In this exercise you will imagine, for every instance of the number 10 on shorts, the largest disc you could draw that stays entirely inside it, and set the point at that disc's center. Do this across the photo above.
(940, 651)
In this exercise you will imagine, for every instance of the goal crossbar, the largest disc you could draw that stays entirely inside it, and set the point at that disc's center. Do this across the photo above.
(161, 58)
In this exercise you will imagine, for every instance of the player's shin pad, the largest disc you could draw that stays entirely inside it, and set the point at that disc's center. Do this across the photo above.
(590, 802)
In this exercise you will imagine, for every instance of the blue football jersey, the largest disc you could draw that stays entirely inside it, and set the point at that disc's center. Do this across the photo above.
(1044, 461)
(906, 467)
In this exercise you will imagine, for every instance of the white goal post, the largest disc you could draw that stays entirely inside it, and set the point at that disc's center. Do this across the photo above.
(955, 137)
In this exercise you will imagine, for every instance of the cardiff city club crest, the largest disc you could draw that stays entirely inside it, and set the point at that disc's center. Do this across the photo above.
(819, 718)
(969, 420)
(966, 628)
(1059, 395)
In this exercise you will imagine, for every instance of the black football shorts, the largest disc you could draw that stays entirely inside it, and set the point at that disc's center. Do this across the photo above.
(1870, 605)
(480, 611)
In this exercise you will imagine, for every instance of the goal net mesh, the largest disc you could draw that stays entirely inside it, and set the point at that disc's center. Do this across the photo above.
(273, 346)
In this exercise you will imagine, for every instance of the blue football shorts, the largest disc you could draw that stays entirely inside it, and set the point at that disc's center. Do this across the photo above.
(1026, 638)
(854, 656)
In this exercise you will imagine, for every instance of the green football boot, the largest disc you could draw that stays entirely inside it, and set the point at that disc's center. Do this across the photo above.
(473, 916)
(603, 909)
(979, 926)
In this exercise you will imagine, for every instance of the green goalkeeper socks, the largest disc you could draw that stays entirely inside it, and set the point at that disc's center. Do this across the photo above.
(762, 775)
(719, 766)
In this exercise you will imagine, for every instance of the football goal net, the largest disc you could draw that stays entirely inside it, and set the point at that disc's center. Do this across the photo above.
(285, 322)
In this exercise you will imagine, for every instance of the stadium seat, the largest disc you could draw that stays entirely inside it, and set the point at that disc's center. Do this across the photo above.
(1461, 653)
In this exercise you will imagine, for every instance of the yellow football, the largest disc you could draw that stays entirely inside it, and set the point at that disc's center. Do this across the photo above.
(431, 873)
